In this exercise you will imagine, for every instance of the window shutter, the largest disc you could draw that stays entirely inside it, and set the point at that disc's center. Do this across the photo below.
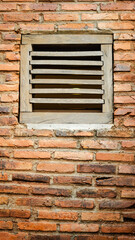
(66, 79)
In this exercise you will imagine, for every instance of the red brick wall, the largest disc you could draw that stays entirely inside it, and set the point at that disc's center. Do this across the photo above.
(75, 185)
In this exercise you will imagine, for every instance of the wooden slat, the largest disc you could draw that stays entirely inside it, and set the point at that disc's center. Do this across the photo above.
(66, 90)
(67, 54)
(65, 71)
(67, 81)
(66, 62)
(66, 101)
(57, 117)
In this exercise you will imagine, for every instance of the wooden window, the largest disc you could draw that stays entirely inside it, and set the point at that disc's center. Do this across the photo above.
(66, 79)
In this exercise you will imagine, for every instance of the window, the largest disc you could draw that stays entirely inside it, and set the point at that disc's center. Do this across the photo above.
(66, 79)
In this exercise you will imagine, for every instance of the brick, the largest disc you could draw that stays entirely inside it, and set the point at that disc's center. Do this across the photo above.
(117, 204)
(11, 236)
(3, 200)
(7, 47)
(4, 153)
(20, 17)
(6, 225)
(100, 216)
(125, 45)
(15, 213)
(74, 155)
(3, 177)
(128, 194)
(78, 7)
(94, 237)
(74, 204)
(126, 77)
(7, 27)
(56, 17)
(129, 122)
(48, 237)
(76, 227)
(128, 144)
(37, 226)
(11, 36)
(34, 201)
(12, 77)
(76, 26)
(15, 165)
(122, 87)
(119, 6)
(124, 36)
(118, 157)
(38, 7)
(99, 144)
(61, 133)
(116, 25)
(90, 193)
(29, 28)
(84, 134)
(20, 132)
(69, 216)
(127, 169)
(125, 111)
(56, 167)
(118, 181)
(4, 110)
(51, 191)
(7, 87)
(119, 228)
(5, 132)
(124, 56)
(97, 168)
(128, 216)
(7, 6)
(122, 67)
(54, 143)
(127, 16)
(126, 238)
(12, 56)
(115, 133)
(30, 177)
(19, 0)
(99, 16)
(72, 180)
(31, 154)
(9, 97)
(15, 142)
(14, 189)
(9, 67)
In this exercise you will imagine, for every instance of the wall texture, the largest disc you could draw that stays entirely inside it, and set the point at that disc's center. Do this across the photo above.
(67, 185)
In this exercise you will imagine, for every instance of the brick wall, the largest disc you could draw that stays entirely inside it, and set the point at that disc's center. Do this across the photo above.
(67, 185)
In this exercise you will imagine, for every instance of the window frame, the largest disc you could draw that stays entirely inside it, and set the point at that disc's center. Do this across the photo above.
(26, 114)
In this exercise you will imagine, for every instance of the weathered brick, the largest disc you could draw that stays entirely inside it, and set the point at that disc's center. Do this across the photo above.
(122, 67)
(10, 97)
(99, 16)
(97, 168)
(118, 157)
(34, 201)
(119, 228)
(128, 194)
(63, 133)
(11, 36)
(72, 180)
(4, 110)
(93, 237)
(20, 17)
(8, 88)
(119, 6)
(127, 16)
(90, 193)
(56, 17)
(127, 169)
(76, 227)
(3, 200)
(128, 216)
(14, 189)
(51, 191)
(7, 27)
(15, 142)
(37, 226)
(11, 236)
(74, 155)
(29, 28)
(7, 47)
(15, 213)
(115, 25)
(4, 153)
(55, 143)
(78, 7)
(126, 77)
(122, 87)
(15, 165)
(117, 204)
(31, 154)
(3, 177)
(9, 67)
(124, 36)
(126, 238)
(50, 237)
(100, 216)
(99, 144)
(129, 122)
(12, 56)
(12, 77)
(124, 56)
(7, 6)
(6, 225)
(38, 7)
(74, 204)
(125, 111)
(55, 167)
(66, 216)
(76, 26)
(118, 181)
(30, 177)
(122, 45)
(115, 133)
(20, 132)
(128, 144)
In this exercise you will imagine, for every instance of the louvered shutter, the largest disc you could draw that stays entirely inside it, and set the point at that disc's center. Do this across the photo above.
(66, 79)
